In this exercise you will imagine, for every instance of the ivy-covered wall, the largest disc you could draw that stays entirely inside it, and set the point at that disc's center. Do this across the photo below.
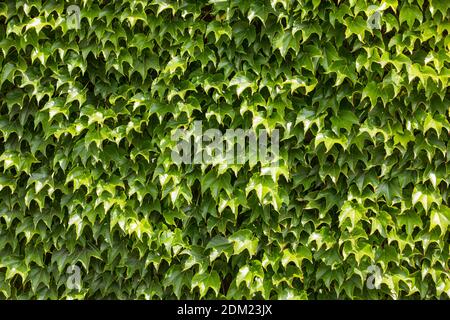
(93, 205)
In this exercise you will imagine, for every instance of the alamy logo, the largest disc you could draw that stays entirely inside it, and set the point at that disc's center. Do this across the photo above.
(375, 277)
(374, 20)
(74, 279)
(236, 146)
(73, 16)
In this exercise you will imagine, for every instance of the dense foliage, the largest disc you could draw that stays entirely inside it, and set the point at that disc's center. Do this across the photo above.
(87, 178)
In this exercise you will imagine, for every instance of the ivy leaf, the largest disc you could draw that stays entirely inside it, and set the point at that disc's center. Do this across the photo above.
(344, 120)
(389, 189)
(425, 196)
(351, 212)
(243, 81)
(258, 10)
(284, 41)
(440, 217)
(243, 31)
(177, 279)
(219, 29)
(296, 256)
(206, 281)
(410, 13)
(244, 240)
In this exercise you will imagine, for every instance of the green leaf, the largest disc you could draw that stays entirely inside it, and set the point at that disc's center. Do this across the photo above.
(244, 240)
(440, 217)
(206, 281)
(351, 212)
(410, 13)
(243, 81)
